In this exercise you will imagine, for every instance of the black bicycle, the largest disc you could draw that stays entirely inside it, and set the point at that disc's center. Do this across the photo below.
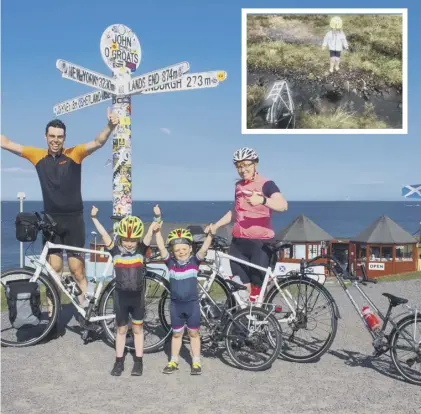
(252, 335)
(403, 341)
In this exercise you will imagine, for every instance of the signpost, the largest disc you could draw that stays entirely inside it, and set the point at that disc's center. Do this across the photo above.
(121, 52)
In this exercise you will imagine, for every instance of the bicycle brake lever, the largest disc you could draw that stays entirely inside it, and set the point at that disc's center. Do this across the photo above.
(50, 219)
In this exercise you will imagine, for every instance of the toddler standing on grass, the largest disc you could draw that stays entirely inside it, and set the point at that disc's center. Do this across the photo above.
(335, 39)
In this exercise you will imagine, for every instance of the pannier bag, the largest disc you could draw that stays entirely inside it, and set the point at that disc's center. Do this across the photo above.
(26, 227)
(24, 303)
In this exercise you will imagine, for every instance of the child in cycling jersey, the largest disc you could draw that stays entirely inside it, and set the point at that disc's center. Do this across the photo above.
(129, 297)
(183, 268)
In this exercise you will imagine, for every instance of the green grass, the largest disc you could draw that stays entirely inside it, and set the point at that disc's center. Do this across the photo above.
(341, 118)
(400, 276)
(64, 299)
(375, 41)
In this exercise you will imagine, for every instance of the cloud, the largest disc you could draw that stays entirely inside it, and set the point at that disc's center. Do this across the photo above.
(18, 170)
(165, 131)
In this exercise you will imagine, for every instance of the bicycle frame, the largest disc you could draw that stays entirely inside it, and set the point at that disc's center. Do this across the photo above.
(269, 277)
(356, 283)
(42, 263)
(229, 312)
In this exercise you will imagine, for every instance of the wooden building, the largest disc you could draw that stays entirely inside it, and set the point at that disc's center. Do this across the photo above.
(384, 248)
(306, 238)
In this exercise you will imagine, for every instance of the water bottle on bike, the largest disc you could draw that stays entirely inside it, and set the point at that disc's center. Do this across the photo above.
(71, 286)
(371, 319)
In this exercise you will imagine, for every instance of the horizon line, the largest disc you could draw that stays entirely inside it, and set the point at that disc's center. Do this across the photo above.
(231, 201)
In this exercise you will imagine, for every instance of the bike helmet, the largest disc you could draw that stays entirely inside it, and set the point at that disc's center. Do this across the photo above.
(130, 227)
(245, 154)
(336, 22)
(179, 236)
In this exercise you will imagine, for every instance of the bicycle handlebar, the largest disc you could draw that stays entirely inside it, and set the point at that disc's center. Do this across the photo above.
(46, 224)
(219, 243)
(345, 274)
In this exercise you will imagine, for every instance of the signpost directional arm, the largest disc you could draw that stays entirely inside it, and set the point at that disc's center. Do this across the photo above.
(199, 80)
(86, 76)
(157, 78)
(80, 102)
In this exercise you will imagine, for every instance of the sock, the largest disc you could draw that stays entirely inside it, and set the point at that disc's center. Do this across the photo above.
(119, 359)
(196, 359)
(138, 358)
(174, 359)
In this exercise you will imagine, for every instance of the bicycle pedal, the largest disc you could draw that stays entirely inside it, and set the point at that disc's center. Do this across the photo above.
(84, 335)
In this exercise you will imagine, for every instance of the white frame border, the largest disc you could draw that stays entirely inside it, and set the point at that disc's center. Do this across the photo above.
(246, 131)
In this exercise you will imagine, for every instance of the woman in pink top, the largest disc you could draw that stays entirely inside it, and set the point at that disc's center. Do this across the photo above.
(255, 199)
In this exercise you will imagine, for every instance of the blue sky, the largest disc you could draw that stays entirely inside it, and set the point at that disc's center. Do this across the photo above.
(193, 162)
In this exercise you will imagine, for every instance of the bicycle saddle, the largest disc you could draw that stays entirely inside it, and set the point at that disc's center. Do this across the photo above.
(234, 286)
(394, 300)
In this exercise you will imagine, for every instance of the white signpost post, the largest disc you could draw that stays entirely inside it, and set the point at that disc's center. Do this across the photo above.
(121, 52)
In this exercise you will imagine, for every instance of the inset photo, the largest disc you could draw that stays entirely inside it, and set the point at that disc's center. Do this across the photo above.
(324, 71)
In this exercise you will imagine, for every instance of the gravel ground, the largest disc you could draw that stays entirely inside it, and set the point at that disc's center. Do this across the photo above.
(66, 376)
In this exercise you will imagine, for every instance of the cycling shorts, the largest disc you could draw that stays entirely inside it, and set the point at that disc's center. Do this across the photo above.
(129, 304)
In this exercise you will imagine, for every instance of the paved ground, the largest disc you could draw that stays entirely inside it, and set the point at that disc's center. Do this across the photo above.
(65, 376)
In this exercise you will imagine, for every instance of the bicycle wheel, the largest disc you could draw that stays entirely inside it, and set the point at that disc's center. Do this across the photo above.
(155, 333)
(253, 339)
(26, 336)
(210, 314)
(405, 348)
(309, 334)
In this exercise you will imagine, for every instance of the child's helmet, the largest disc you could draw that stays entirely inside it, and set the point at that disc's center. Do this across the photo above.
(179, 236)
(130, 227)
(336, 22)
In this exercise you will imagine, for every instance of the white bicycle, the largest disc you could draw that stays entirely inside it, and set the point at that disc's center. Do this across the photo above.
(98, 316)
(304, 308)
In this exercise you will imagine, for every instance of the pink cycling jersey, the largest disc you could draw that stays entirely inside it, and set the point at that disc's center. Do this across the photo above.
(251, 222)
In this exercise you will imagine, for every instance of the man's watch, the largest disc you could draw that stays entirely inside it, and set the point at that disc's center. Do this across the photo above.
(157, 219)
(264, 201)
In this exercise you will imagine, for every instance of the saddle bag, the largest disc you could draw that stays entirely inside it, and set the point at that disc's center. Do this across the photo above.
(24, 303)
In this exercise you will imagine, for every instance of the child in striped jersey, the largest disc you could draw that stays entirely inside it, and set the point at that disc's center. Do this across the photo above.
(128, 254)
(183, 267)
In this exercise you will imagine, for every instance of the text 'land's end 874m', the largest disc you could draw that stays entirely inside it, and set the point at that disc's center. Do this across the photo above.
(157, 78)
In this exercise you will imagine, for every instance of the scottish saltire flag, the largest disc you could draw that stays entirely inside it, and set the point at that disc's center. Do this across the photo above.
(412, 191)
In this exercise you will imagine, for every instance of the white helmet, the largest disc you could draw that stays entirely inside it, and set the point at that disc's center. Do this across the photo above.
(245, 154)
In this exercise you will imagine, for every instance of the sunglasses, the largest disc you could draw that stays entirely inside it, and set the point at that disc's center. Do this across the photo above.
(244, 165)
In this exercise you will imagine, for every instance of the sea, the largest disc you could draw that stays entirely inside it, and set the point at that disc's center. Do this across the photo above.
(341, 219)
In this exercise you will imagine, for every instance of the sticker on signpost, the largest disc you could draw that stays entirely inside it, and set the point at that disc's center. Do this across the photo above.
(120, 49)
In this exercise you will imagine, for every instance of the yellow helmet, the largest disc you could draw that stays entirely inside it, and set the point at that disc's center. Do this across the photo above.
(336, 22)
(131, 227)
(179, 236)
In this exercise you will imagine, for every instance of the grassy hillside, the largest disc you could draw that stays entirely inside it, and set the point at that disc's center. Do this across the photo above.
(294, 42)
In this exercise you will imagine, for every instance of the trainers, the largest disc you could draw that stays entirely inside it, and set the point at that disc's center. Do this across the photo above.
(196, 369)
(118, 368)
(137, 368)
(170, 368)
